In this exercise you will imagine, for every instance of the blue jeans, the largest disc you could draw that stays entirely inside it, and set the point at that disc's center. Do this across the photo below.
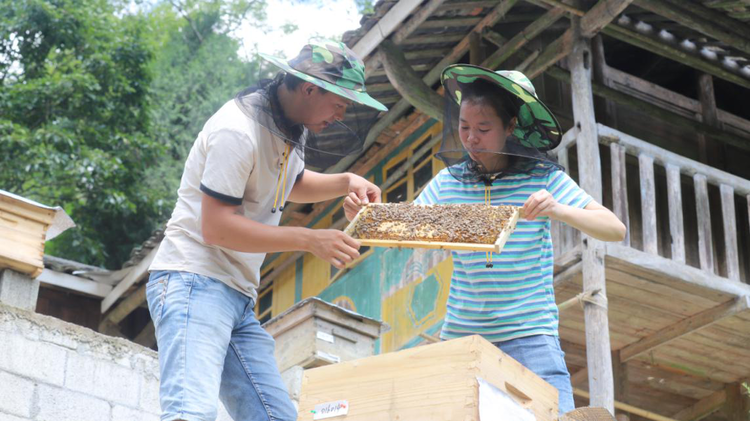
(542, 355)
(211, 346)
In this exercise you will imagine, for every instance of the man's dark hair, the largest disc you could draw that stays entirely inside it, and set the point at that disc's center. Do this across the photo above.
(485, 93)
(291, 82)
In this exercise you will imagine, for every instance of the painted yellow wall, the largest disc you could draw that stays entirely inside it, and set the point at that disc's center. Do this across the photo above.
(396, 309)
(316, 272)
(283, 291)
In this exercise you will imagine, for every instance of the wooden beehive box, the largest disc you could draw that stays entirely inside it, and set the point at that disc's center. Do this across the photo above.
(442, 381)
(314, 333)
(23, 229)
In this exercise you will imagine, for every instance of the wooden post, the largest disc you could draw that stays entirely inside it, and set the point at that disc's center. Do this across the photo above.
(710, 153)
(729, 219)
(564, 230)
(620, 375)
(476, 51)
(737, 405)
(605, 107)
(676, 224)
(705, 237)
(620, 187)
(598, 354)
(648, 203)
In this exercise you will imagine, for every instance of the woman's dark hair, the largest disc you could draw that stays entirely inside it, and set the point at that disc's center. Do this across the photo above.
(483, 92)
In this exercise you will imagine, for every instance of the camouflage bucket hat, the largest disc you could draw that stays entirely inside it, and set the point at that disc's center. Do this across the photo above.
(536, 128)
(332, 66)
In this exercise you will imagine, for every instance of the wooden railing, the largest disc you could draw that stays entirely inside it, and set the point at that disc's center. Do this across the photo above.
(677, 168)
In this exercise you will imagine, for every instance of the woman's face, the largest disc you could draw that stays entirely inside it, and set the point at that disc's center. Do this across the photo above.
(483, 134)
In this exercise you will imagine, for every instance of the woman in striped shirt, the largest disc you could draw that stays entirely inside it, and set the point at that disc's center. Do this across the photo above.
(495, 137)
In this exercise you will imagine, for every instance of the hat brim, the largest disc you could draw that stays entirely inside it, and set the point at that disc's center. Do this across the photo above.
(545, 138)
(358, 97)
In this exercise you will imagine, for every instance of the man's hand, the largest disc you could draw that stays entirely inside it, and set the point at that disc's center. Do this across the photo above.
(361, 192)
(541, 203)
(334, 246)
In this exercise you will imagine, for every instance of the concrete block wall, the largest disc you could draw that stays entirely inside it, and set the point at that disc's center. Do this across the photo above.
(51, 370)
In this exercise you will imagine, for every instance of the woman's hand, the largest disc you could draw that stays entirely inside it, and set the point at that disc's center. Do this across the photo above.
(541, 203)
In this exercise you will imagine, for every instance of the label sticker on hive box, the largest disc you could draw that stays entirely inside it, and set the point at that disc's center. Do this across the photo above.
(330, 410)
(328, 357)
(323, 336)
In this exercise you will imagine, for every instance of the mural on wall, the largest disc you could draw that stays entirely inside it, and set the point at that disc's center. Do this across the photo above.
(414, 293)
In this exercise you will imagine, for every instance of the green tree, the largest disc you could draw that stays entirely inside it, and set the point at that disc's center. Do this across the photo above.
(196, 70)
(74, 119)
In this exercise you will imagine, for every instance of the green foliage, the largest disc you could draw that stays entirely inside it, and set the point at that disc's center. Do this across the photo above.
(74, 125)
(99, 107)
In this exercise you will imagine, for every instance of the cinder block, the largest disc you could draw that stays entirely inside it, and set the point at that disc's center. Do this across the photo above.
(102, 379)
(16, 395)
(18, 290)
(57, 404)
(8, 417)
(37, 360)
(121, 413)
(149, 400)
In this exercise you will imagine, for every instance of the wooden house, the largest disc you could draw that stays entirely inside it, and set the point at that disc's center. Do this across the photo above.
(653, 96)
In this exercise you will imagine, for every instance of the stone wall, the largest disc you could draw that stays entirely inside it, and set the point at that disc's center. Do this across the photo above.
(51, 370)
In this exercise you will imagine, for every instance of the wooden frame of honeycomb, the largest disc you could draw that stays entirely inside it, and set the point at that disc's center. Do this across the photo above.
(450, 227)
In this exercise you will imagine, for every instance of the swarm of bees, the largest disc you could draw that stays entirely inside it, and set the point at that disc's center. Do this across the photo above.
(460, 223)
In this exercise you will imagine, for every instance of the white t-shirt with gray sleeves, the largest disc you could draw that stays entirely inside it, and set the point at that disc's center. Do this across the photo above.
(238, 161)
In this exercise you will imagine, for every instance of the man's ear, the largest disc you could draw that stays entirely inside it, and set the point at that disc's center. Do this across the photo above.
(308, 88)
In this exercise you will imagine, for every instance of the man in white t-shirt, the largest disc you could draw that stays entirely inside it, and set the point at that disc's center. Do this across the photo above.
(245, 163)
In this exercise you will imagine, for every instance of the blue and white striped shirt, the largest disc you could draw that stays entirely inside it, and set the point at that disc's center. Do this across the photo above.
(515, 298)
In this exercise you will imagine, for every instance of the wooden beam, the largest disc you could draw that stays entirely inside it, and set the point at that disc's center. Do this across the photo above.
(138, 272)
(562, 5)
(590, 24)
(627, 408)
(579, 376)
(384, 27)
(710, 153)
(403, 32)
(685, 327)
(656, 111)
(408, 83)
(475, 49)
(74, 283)
(147, 336)
(123, 309)
(429, 79)
(508, 48)
(711, 15)
(664, 49)
(703, 407)
(737, 404)
(699, 23)
(605, 108)
(677, 273)
(598, 353)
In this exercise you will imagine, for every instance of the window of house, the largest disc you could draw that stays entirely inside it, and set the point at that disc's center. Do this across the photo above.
(265, 304)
